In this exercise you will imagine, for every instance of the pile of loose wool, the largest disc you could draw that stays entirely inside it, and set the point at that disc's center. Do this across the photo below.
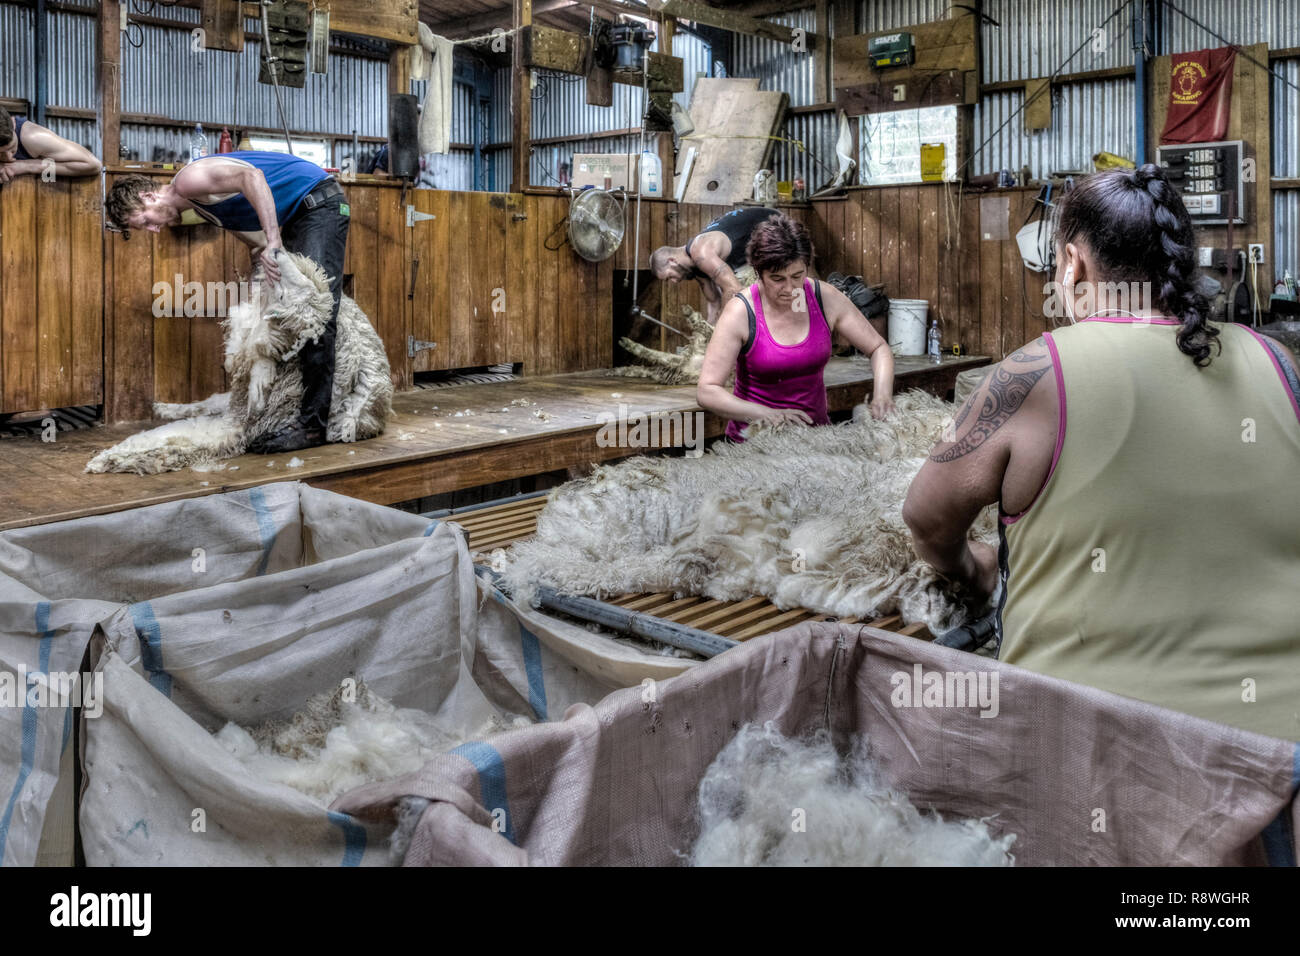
(806, 517)
(768, 800)
(334, 745)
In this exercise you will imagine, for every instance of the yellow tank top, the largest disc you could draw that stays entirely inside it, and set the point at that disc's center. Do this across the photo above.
(1161, 559)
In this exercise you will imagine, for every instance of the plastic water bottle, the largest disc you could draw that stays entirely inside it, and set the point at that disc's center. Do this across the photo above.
(198, 143)
(932, 342)
(650, 173)
(1290, 284)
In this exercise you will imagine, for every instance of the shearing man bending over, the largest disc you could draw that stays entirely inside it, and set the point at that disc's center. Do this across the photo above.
(272, 202)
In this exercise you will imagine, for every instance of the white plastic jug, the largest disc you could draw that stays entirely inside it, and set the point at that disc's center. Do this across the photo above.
(907, 325)
(651, 175)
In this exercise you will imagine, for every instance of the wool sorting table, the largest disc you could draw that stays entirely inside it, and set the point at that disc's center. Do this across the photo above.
(505, 430)
(499, 525)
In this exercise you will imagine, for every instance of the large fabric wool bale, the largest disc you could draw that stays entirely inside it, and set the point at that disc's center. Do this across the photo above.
(240, 607)
(616, 784)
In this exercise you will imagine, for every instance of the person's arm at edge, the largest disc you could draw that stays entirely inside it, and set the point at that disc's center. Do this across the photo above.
(964, 475)
(843, 317)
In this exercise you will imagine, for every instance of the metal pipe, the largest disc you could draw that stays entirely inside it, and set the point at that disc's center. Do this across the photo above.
(621, 619)
(645, 104)
(272, 67)
(1139, 24)
(637, 310)
(633, 622)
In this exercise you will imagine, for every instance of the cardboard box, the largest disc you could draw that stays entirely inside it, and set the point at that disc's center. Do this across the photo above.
(590, 169)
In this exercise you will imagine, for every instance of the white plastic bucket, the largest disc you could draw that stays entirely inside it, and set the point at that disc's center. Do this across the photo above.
(907, 325)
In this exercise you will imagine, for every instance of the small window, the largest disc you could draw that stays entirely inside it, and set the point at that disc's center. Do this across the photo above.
(890, 144)
(313, 150)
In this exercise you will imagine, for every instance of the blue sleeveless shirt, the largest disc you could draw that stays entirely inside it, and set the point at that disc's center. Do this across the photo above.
(289, 178)
(19, 122)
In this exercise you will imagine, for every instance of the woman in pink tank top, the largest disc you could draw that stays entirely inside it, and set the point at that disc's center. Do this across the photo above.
(777, 336)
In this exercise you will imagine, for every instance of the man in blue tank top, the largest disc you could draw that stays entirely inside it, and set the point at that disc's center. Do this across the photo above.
(29, 149)
(271, 201)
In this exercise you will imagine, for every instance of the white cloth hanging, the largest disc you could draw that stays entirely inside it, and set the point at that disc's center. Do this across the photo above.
(435, 115)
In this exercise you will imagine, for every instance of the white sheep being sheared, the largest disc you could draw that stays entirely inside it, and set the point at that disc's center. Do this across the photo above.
(263, 338)
(806, 517)
(849, 816)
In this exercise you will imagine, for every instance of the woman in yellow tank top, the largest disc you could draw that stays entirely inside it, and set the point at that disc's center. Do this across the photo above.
(1144, 461)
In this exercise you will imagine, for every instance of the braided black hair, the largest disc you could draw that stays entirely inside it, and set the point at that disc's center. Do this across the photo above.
(1138, 230)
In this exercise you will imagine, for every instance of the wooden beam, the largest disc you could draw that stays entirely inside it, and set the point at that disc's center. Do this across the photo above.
(399, 70)
(945, 53)
(667, 153)
(108, 79)
(484, 22)
(845, 25)
(723, 19)
(821, 54)
(391, 20)
(549, 49)
(521, 114)
(223, 26)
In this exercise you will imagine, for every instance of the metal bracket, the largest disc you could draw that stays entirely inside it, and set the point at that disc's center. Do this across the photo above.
(414, 345)
(412, 217)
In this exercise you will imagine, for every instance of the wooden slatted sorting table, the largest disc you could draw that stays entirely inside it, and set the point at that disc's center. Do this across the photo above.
(496, 526)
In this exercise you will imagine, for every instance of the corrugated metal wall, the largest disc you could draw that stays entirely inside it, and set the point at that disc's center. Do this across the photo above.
(777, 65)
(877, 15)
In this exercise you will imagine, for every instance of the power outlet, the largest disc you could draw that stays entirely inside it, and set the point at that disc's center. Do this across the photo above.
(1256, 252)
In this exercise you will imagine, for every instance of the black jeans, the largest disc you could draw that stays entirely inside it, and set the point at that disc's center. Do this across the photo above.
(320, 234)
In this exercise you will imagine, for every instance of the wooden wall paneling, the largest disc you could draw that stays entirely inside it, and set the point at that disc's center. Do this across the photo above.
(855, 251)
(520, 317)
(432, 305)
(54, 303)
(948, 262)
(968, 264)
(19, 305)
(601, 335)
(990, 279)
(496, 329)
(816, 223)
(909, 224)
(869, 210)
(460, 254)
(171, 333)
(927, 252)
(551, 262)
(889, 244)
(580, 310)
(362, 259)
(1014, 308)
(87, 313)
(209, 263)
(130, 284)
(391, 317)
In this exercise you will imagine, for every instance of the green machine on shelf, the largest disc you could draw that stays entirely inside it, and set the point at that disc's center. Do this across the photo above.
(892, 49)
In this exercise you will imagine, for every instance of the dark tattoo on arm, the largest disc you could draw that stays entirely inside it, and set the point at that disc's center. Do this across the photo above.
(1007, 388)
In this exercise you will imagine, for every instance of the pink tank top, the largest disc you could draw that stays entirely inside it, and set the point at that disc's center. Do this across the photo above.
(785, 376)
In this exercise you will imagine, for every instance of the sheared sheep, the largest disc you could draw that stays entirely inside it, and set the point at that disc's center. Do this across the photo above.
(806, 517)
(263, 338)
(767, 800)
(683, 366)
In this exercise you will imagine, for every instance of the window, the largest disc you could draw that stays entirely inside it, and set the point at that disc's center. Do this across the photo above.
(314, 151)
(890, 144)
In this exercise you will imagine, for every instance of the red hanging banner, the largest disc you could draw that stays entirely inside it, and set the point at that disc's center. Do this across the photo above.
(1200, 93)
